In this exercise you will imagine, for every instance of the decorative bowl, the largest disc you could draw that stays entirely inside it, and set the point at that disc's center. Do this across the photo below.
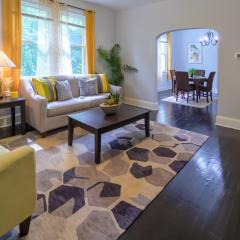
(110, 109)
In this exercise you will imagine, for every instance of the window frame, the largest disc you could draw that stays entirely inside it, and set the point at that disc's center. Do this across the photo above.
(81, 46)
(165, 53)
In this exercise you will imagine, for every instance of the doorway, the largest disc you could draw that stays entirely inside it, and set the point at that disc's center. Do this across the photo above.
(188, 51)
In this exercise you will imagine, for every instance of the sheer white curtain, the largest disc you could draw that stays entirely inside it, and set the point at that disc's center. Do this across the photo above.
(65, 61)
(44, 38)
(53, 37)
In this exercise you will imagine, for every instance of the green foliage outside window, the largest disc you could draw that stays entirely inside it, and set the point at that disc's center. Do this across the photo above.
(30, 51)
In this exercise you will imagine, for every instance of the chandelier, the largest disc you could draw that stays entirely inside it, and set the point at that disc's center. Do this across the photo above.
(209, 39)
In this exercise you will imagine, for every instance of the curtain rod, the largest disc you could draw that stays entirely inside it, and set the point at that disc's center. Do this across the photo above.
(83, 9)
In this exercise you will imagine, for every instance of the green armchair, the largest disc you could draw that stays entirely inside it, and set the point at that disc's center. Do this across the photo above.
(17, 189)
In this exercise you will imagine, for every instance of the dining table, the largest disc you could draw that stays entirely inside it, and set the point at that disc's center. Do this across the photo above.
(197, 80)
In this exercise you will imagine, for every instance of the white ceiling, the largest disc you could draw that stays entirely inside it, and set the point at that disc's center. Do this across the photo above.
(122, 4)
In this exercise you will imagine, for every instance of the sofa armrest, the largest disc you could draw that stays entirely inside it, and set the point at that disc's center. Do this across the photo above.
(18, 187)
(116, 89)
(37, 111)
(39, 104)
(36, 106)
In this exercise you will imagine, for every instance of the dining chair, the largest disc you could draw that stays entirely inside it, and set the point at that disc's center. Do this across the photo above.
(173, 77)
(182, 85)
(200, 73)
(207, 90)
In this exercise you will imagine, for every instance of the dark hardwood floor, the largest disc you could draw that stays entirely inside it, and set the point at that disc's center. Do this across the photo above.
(203, 200)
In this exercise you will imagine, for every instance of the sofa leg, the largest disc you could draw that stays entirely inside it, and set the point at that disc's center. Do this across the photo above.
(24, 227)
(43, 135)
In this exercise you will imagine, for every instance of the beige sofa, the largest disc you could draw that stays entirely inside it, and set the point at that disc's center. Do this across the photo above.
(45, 116)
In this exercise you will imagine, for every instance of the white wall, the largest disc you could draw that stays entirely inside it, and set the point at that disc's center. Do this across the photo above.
(138, 29)
(180, 41)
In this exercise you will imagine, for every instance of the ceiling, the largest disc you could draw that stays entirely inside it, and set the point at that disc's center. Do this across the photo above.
(122, 4)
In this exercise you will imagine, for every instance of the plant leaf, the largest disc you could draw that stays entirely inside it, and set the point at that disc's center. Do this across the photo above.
(128, 68)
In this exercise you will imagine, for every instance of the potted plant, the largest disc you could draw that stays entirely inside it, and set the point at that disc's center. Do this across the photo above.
(112, 103)
(115, 67)
(191, 72)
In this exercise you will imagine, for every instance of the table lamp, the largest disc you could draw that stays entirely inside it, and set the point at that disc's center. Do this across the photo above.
(5, 62)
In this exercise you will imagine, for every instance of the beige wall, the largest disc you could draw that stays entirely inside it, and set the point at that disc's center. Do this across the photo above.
(139, 27)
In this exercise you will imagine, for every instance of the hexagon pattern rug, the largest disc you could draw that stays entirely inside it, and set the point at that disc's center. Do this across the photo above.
(78, 200)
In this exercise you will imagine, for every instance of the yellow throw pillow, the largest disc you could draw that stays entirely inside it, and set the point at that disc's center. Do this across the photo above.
(103, 85)
(45, 87)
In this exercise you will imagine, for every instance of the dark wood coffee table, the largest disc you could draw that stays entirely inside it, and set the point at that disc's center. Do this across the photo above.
(96, 122)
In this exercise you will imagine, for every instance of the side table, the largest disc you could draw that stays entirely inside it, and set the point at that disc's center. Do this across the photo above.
(12, 103)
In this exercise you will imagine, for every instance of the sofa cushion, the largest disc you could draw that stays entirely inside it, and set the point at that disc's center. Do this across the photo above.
(74, 105)
(45, 87)
(74, 85)
(63, 90)
(88, 86)
(73, 82)
(102, 81)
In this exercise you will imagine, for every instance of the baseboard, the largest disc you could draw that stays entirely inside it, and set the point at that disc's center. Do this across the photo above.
(228, 122)
(5, 121)
(164, 89)
(140, 103)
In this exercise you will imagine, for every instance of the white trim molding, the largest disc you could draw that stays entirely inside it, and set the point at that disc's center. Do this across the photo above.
(228, 122)
(140, 103)
(164, 89)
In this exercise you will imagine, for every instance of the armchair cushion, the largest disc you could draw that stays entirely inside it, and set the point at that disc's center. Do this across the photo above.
(18, 190)
(3, 150)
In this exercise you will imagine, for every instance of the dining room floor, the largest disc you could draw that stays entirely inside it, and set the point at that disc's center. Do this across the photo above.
(203, 200)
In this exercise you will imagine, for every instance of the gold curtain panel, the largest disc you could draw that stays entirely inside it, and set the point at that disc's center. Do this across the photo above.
(11, 14)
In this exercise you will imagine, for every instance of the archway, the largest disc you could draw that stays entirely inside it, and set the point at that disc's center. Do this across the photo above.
(178, 43)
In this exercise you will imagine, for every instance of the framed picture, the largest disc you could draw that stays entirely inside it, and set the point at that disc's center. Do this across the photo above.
(194, 53)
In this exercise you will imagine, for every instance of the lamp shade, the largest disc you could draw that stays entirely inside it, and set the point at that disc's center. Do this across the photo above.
(5, 61)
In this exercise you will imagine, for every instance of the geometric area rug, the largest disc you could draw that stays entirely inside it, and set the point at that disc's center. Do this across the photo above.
(78, 200)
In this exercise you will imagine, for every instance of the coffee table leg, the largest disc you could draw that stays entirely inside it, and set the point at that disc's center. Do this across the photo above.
(70, 132)
(147, 124)
(97, 148)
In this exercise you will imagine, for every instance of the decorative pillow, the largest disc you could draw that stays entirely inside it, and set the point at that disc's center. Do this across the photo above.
(74, 85)
(102, 80)
(45, 87)
(63, 90)
(88, 86)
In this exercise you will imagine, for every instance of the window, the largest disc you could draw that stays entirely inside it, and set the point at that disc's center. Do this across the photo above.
(162, 56)
(53, 39)
(75, 25)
